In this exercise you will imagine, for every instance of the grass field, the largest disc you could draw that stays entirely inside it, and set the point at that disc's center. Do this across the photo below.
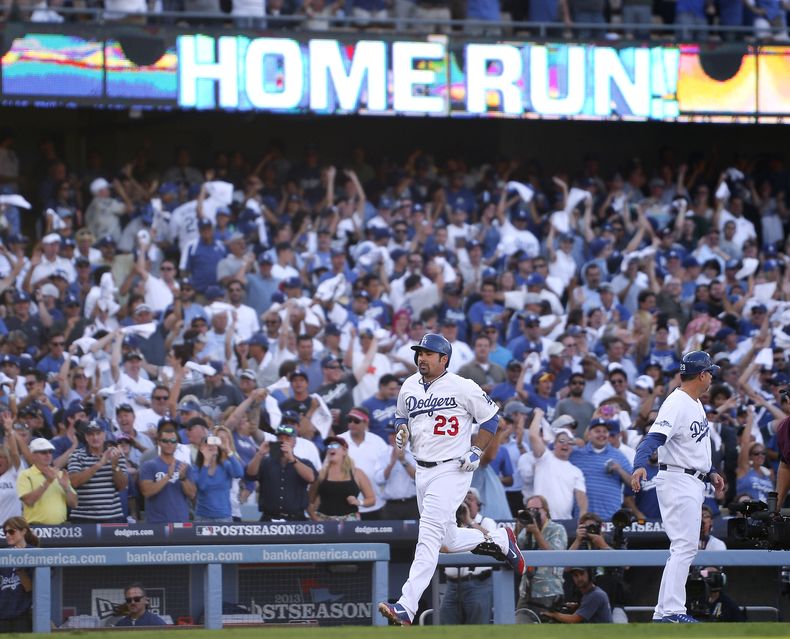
(615, 631)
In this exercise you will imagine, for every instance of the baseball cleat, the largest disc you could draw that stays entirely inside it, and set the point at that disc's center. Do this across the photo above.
(514, 557)
(681, 618)
(395, 614)
(491, 549)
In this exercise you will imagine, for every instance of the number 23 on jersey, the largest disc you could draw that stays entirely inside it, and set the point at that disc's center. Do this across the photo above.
(444, 426)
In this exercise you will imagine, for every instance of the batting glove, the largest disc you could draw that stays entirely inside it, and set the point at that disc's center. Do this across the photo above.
(402, 436)
(471, 460)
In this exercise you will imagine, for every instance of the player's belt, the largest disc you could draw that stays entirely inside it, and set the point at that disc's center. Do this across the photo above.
(688, 471)
(481, 576)
(425, 464)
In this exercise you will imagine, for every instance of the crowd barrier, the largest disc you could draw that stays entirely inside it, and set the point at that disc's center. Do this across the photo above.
(504, 598)
(210, 562)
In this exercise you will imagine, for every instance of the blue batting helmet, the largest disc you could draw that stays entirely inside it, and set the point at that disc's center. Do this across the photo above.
(435, 344)
(695, 362)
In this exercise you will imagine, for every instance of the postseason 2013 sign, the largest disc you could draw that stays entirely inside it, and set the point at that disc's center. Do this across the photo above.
(436, 76)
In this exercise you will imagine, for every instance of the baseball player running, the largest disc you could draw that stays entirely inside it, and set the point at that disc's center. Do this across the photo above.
(680, 434)
(436, 411)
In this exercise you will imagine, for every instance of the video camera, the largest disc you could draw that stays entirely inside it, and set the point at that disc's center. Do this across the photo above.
(621, 520)
(762, 525)
(701, 582)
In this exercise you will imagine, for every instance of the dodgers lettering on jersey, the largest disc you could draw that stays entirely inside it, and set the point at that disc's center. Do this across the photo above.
(442, 417)
(682, 419)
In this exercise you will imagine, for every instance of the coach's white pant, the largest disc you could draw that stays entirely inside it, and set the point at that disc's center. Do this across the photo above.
(680, 497)
(440, 490)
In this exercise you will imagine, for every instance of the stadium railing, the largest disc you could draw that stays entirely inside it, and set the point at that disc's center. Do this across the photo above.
(504, 601)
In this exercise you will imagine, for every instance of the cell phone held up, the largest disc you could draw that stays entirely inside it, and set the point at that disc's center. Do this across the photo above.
(275, 450)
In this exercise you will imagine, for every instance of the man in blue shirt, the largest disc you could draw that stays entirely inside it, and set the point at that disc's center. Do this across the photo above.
(486, 309)
(261, 286)
(531, 341)
(606, 470)
(202, 257)
(505, 391)
(382, 406)
(137, 605)
(52, 361)
(164, 481)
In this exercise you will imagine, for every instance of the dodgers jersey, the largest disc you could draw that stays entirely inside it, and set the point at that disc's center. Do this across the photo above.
(683, 421)
(442, 414)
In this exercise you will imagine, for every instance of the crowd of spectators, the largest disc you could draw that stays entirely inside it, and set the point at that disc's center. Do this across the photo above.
(184, 342)
(688, 20)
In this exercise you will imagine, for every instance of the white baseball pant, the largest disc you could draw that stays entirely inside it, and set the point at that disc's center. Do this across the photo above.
(680, 498)
(440, 490)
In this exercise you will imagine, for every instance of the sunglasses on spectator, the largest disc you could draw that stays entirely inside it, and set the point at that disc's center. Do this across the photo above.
(9, 531)
(355, 420)
(167, 440)
(164, 398)
(167, 268)
(333, 367)
(758, 453)
(134, 599)
(57, 343)
(333, 446)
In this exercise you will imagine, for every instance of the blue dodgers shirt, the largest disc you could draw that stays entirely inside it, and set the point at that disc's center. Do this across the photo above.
(382, 412)
(168, 505)
(604, 490)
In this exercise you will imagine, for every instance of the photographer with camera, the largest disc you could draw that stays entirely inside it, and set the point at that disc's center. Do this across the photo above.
(469, 596)
(594, 605)
(541, 589)
(707, 599)
(590, 536)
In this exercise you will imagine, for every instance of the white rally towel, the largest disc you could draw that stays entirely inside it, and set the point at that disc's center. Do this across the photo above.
(15, 200)
(221, 192)
(560, 221)
(203, 369)
(723, 192)
(143, 330)
(525, 192)
(576, 197)
(56, 223)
